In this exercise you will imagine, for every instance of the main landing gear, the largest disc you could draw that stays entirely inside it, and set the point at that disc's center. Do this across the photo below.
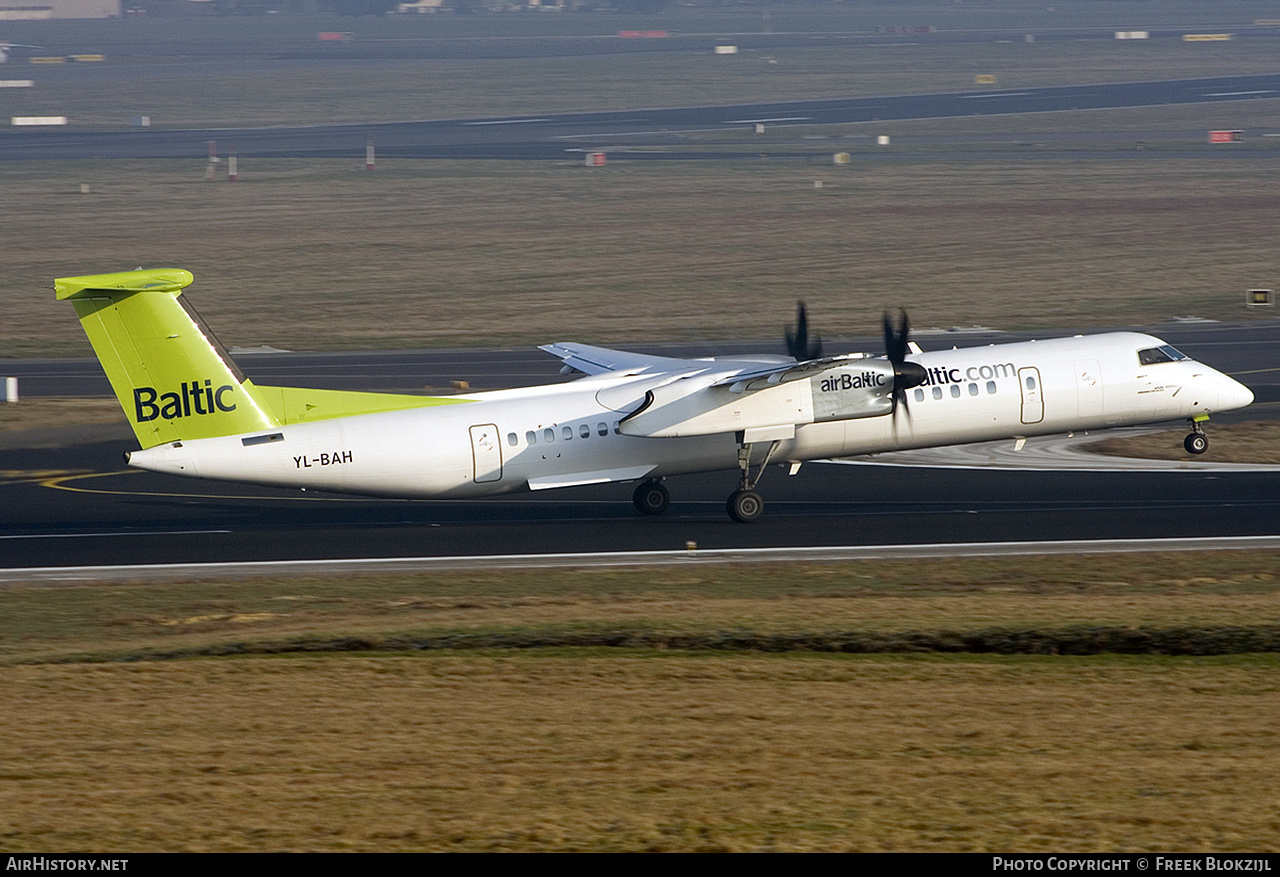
(1197, 442)
(744, 504)
(651, 498)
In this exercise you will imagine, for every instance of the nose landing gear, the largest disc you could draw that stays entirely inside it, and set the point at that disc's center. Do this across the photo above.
(1196, 442)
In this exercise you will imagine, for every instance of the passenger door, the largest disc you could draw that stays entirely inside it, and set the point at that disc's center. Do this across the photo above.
(1032, 399)
(486, 452)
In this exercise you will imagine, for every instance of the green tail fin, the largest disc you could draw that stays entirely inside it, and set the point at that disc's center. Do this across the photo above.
(172, 376)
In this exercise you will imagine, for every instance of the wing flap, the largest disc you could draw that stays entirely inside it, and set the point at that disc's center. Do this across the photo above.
(598, 476)
(692, 407)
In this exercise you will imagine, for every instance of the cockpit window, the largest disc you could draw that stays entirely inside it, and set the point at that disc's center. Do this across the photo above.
(1164, 353)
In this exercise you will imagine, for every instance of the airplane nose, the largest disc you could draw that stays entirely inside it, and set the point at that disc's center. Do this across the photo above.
(1232, 394)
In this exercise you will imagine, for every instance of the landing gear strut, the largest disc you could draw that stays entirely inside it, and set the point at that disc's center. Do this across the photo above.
(1197, 442)
(651, 498)
(745, 505)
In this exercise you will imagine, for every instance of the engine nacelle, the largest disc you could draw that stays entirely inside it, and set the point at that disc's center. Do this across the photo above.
(862, 389)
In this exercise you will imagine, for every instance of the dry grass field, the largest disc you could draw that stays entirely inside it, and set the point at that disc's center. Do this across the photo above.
(109, 747)
(1215, 590)
(583, 751)
(313, 255)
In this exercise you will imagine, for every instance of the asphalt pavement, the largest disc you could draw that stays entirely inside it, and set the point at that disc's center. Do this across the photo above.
(641, 133)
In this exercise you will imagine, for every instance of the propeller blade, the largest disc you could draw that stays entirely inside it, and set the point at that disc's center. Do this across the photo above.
(798, 344)
(905, 374)
(896, 336)
(900, 402)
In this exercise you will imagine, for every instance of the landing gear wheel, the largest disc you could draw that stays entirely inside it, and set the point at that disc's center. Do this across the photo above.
(1196, 443)
(651, 498)
(745, 506)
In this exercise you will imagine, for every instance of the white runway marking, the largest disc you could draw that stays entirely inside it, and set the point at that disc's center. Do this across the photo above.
(763, 121)
(507, 122)
(398, 565)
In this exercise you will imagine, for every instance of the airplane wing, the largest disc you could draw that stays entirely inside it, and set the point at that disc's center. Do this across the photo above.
(757, 377)
(762, 396)
(600, 360)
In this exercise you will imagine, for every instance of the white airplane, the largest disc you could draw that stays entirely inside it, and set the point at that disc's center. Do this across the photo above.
(632, 418)
(5, 47)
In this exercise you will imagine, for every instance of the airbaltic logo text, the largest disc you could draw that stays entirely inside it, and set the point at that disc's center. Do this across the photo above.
(846, 381)
(940, 374)
(148, 403)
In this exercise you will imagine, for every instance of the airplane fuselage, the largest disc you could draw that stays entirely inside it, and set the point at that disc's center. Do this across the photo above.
(583, 432)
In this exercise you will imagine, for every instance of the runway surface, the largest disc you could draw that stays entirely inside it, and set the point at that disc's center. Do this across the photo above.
(276, 48)
(93, 512)
(645, 132)
(79, 506)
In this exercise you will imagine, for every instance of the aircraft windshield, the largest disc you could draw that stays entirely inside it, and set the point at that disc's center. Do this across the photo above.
(1164, 353)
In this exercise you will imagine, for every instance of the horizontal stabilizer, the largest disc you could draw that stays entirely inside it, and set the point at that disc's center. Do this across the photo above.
(153, 280)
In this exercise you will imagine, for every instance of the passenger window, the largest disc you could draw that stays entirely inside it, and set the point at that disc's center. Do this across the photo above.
(549, 434)
(973, 389)
(513, 439)
(617, 427)
(584, 431)
(568, 433)
(919, 395)
(1031, 382)
(991, 388)
(531, 437)
(602, 428)
(937, 392)
(955, 391)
